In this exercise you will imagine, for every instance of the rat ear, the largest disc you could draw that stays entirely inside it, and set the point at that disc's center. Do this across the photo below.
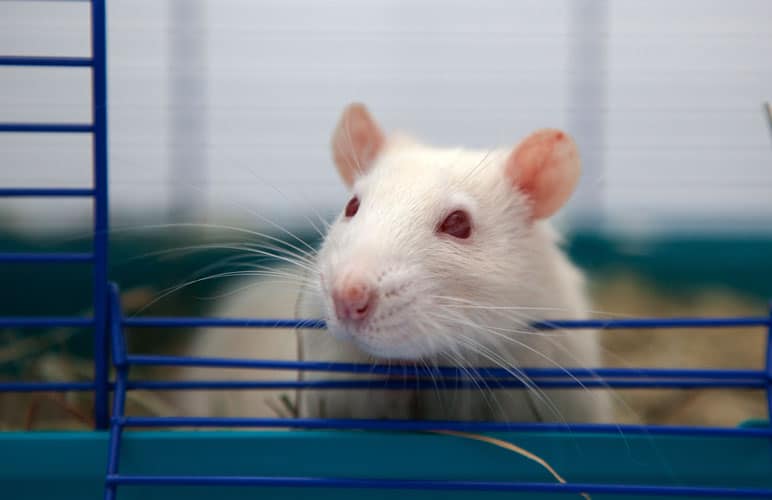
(356, 142)
(545, 166)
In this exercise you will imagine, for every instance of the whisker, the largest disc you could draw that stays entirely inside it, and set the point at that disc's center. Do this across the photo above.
(240, 246)
(165, 293)
(518, 374)
(487, 392)
(510, 339)
(502, 363)
(264, 219)
(478, 166)
(468, 304)
(290, 280)
(357, 165)
(263, 181)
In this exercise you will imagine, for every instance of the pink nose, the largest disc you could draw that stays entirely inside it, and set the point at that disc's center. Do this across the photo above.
(354, 299)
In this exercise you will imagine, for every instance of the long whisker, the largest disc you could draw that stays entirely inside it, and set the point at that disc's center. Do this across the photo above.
(531, 387)
(517, 373)
(505, 364)
(468, 368)
(529, 320)
(455, 357)
(507, 338)
(265, 182)
(290, 280)
(240, 246)
(266, 220)
(487, 392)
(591, 369)
(479, 165)
(171, 225)
(468, 304)
(357, 165)
(165, 293)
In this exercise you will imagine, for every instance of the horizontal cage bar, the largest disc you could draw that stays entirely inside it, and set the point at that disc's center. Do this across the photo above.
(182, 322)
(446, 371)
(47, 192)
(46, 257)
(429, 384)
(46, 61)
(53, 128)
(57, 1)
(43, 321)
(608, 324)
(434, 425)
(444, 485)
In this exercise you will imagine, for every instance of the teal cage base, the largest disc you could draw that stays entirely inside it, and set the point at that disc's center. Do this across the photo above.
(72, 465)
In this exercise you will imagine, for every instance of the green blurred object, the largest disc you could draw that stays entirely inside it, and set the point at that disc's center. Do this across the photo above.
(682, 264)
(161, 260)
(740, 263)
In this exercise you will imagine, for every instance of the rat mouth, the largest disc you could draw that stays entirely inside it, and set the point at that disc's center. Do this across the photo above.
(387, 344)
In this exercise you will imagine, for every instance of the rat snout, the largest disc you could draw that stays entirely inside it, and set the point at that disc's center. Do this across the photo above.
(354, 297)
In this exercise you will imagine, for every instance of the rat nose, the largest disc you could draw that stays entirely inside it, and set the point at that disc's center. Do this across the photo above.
(354, 299)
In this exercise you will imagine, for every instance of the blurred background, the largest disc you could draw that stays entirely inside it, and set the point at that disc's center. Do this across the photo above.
(220, 114)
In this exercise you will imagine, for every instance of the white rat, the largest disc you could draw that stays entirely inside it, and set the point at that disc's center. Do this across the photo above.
(442, 257)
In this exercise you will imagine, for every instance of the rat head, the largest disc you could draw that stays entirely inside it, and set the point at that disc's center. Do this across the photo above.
(434, 242)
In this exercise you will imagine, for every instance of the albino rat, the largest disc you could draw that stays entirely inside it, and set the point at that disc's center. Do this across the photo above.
(441, 257)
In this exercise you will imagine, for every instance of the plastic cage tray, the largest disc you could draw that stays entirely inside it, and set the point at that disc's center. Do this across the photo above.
(134, 457)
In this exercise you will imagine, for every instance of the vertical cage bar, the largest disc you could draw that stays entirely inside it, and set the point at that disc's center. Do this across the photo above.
(588, 62)
(100, 207)
(769, 366)
(119, 355)
(116, 431)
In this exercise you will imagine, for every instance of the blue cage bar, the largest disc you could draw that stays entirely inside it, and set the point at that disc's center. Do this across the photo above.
(110, 351)
(98, 192)
(434, 378)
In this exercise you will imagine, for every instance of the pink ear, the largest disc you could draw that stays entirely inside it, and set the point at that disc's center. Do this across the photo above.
(545, 166)
(356, 142)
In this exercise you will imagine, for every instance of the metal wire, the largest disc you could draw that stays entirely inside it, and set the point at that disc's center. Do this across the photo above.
(437, 377)
(44, 192)
(108, 325)
(446, 371)
(607, 324)
(417, 484)
(100, 209)
(46, 61)
(50, 128)
(98, 257)
(429, 425)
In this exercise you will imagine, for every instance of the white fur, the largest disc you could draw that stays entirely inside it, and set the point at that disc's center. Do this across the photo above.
(428, 285)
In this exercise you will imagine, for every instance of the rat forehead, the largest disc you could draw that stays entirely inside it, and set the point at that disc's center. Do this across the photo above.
(424, 170)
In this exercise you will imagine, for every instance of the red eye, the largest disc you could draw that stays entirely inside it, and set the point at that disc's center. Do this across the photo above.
(457, 224)
(352, 207)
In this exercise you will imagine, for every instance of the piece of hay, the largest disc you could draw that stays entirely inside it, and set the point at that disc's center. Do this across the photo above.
(511, 447)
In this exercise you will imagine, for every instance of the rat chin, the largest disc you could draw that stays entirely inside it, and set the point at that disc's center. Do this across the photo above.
(382, 343)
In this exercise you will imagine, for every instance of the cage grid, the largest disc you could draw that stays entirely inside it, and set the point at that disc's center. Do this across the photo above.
(110, 351)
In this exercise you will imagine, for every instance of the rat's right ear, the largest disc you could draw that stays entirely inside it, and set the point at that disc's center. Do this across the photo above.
(545, 167)
(356, 142)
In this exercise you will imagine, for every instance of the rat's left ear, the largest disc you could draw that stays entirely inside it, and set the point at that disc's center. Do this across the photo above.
(545, 167)
(356, 142)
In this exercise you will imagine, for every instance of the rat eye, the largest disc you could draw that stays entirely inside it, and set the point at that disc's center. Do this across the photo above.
(457, 224)
(352, 207)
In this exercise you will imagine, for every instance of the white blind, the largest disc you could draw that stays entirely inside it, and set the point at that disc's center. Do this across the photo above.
(678, 99)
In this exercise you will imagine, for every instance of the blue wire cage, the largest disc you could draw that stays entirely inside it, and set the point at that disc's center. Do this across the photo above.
(333, 458)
